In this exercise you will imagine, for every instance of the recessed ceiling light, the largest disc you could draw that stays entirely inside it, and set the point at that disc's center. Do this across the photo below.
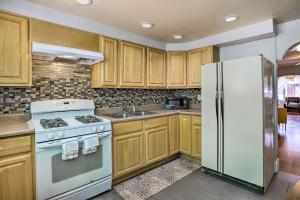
(178, 36)
(230, 18)
(146, 25)
(85, 2)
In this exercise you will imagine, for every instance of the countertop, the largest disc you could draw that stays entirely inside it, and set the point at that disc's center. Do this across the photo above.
(14, 128)
(159, 113)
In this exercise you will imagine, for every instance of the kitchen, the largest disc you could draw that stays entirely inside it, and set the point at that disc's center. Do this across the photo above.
(133, 100)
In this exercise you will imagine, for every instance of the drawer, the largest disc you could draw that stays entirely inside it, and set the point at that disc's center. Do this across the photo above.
(196, 120)
(156, 122)
(15, 145)
(127, 127)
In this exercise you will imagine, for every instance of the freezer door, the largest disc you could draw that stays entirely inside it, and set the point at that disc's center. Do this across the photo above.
(243, 119)
(209, 110)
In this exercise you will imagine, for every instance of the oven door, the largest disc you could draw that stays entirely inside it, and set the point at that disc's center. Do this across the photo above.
(55, 176)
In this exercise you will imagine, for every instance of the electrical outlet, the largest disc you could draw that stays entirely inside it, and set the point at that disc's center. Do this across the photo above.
(198, 97)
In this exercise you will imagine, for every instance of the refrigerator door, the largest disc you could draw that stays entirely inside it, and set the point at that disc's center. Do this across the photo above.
(243, 119)
(210, 116)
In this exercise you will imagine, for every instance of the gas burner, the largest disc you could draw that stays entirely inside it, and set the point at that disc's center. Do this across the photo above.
(87, 119)
(53, 123)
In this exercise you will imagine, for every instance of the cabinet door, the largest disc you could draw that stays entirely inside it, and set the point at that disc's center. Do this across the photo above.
(185, 134)
(14, 47)
(128, 153)
(156, 68)
(16, 178)
(105, 74)
(156, 144)
(174, 138)
(196, 141)
(132, 65)
(176, 66)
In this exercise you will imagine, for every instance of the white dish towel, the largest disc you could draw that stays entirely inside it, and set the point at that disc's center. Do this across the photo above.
(90, 144)
(70, 149)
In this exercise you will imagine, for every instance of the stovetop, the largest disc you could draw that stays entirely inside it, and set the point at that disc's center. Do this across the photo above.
(88, 119)
(53, 123)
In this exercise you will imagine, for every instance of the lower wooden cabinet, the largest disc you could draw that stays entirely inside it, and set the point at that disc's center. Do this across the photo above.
(16, 177)
(185, 134)
(190, 135)
(16, 169)
(128, 153)
(196, 137)
(156, 144)
(174, 138)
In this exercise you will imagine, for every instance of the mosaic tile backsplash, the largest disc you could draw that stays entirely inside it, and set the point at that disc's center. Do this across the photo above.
(57, 81)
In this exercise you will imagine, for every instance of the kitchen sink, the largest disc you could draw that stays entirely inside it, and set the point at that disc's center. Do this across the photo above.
(120, 115)
(132, 114)
(142, 113)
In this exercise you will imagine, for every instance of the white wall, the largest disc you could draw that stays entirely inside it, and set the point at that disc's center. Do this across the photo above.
(272, 48)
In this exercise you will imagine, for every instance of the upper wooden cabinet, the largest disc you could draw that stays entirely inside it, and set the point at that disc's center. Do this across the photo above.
(105, 74)
(15, 68)
(47, 32)
(132, 65)
(156, 68)
(176, 69)
(196, 58)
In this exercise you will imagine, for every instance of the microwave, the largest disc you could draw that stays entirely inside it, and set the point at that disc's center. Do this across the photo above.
(177, 103)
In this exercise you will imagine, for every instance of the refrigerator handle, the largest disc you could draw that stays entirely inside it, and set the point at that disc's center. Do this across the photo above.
(217, 95)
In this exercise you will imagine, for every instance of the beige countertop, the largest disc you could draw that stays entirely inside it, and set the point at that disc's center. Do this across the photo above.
(14, 128)
(159, 113)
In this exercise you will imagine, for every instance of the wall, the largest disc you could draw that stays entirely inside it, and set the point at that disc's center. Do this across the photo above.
(57, 81)
(272, 48)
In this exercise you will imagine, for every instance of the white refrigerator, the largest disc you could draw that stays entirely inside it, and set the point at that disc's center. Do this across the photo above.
(238, 120)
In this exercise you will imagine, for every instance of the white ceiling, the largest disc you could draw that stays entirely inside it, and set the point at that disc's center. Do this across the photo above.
(194, 19)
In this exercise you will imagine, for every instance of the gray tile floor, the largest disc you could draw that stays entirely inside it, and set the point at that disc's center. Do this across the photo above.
(201, 186)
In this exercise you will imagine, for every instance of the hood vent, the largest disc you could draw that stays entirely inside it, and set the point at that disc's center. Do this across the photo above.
(42, 51)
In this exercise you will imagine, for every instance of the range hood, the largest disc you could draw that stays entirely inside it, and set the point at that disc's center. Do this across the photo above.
(49, 52)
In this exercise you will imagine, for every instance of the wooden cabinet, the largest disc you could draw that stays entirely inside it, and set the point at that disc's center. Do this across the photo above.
(15, 69)
(16, 168)
(196, 58)
(196, 136)
(156, 139)
(132, 65)
(156, 68)
(128, 153)
(174, 139)
(16, 177)
(105, 74)
(176, 68)
(185, 134)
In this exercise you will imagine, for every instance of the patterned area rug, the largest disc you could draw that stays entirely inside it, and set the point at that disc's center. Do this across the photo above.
(155, 180)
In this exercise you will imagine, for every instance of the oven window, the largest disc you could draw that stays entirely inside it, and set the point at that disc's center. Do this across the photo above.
(65, 169)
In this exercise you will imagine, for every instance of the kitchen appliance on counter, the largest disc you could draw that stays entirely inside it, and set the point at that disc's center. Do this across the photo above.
(238, 124)
(177, 103)
(73, 149)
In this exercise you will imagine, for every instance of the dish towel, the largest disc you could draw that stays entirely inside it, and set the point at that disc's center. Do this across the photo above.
(90, 144)
(70, 149)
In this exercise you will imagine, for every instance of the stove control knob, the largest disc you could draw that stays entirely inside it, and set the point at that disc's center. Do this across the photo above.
(100, 128)
(60, 134)
(51, 136)
(94, 129)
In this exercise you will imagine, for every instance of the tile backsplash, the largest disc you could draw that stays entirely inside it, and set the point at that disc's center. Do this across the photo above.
(57, 81)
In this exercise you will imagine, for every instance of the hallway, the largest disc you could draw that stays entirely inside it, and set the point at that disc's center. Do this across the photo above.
(289, 145)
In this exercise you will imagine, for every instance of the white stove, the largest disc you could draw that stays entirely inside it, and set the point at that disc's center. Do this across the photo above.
(64, 124)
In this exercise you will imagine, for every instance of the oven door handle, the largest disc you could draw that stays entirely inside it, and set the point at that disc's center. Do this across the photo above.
(55, 144)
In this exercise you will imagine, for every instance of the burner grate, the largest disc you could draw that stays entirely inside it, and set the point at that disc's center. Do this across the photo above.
(87, 119)
(53, 123)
